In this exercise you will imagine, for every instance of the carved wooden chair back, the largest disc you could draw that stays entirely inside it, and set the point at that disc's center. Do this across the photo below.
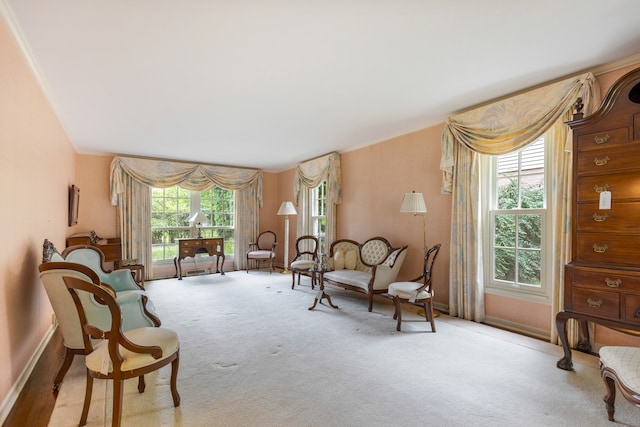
(118, 355)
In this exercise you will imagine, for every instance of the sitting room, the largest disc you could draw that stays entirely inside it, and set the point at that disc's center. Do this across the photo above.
(193, 146)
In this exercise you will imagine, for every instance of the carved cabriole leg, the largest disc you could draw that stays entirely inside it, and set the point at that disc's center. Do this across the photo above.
(66, 363)
(87, 399)
(174, 380)
(561, 324)
(583, 342)
(609, 398)
(428, 310)
(398, 312)
(141, 384)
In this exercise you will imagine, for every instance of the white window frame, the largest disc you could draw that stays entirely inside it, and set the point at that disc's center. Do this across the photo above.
(539, 294)
(194, 206)
(313, 217)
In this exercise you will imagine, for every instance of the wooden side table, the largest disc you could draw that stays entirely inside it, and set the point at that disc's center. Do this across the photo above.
(319, 276)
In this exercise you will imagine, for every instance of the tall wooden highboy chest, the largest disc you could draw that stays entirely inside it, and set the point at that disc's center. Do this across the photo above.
(602, 281)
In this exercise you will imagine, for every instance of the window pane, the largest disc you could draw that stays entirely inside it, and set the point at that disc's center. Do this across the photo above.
(529, 231)
(505, 264)
(507, 193)
(532, 191)
(505, 231)
(529, 267)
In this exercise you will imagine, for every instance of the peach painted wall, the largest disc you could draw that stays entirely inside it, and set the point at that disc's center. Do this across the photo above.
(96, 212)
(37, 163)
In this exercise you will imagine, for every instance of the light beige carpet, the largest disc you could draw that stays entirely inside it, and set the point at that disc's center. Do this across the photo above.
(252, 354)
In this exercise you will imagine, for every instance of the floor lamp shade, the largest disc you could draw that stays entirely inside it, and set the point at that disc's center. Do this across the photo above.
(286, 209)
(414, 203)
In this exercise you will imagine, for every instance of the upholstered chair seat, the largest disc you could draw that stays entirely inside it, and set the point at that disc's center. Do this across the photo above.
(620, 366)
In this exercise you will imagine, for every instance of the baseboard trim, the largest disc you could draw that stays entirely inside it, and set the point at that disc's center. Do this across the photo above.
(17, 387)
(519, 328)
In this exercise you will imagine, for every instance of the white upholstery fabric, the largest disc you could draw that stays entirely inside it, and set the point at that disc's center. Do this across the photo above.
(356, 278)
(351, 259)
(261, 254)
(166, 339)
(374, 252)
(303, 264)
(407, 290)
(625, 361)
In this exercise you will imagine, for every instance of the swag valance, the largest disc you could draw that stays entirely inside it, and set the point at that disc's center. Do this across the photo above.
(506, 125)
(164, 173)
(311, 173)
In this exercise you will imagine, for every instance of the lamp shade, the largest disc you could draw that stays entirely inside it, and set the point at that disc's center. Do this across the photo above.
(287, 208)
(198, 218)
(413, 203)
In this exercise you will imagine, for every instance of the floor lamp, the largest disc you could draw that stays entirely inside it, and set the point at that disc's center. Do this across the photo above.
(286, 209)
(414, 203)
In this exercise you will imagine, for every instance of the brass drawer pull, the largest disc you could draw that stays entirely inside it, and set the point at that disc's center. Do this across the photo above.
(637, 313)
(599, 189)
(601, 162)
(593, 303)
(600, 249)
(613, 283)
(601, 139)
(600, 218)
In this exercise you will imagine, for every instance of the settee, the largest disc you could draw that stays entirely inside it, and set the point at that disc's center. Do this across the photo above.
(368, 267)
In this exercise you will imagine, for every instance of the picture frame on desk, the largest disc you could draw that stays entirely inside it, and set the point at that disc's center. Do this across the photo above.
(74, 204)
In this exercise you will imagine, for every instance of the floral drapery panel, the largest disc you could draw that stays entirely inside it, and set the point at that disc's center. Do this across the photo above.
(498, 128)
(310, 174)
(131, 182)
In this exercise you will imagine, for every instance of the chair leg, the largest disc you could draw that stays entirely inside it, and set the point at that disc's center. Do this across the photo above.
(66, 364)
(141, 384)
(117, 402)
(428, 314)
(87, 399)
(174, 380)
(609, 398)
(293, 279)
(398, 312)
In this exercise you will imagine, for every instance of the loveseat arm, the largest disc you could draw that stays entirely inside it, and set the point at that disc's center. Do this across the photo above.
(384, 274)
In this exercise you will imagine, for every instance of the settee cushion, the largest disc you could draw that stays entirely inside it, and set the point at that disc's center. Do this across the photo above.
(338, 259)
(351, 259)
(356, 278)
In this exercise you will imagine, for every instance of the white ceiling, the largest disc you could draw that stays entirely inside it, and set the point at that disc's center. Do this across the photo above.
(268, 83)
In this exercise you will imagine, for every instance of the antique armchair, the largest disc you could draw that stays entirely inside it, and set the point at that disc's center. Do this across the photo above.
(93, 257)
(262, 250)
(418, 291)
(118, 354)
(306, 257)
(620, 366)
(133, 304)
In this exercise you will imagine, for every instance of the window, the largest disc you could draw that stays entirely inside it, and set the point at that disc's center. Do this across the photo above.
(318, 215)
(516, 218)
(171, 209)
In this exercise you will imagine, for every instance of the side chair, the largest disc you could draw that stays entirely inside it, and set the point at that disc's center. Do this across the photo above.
(133, 306)
(116, 354)
(262, 250)
(418, 291)
(620, 366)
(306, 257)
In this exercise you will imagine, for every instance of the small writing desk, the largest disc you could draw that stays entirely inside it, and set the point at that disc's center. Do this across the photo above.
(191, 247)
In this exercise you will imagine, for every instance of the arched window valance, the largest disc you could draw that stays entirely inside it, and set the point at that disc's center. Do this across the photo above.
(131, 182)
(310, 174)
